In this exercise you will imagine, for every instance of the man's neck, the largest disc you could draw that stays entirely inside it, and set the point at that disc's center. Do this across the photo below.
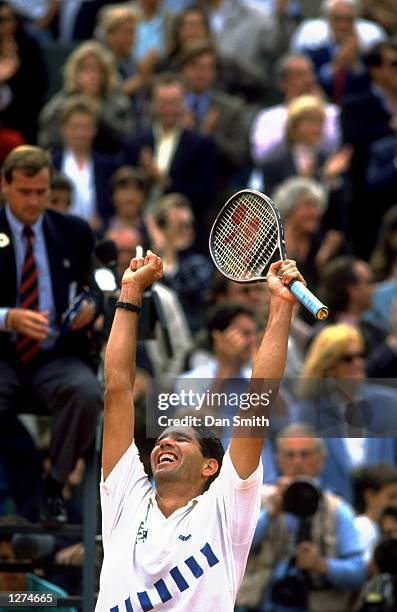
(172, 497)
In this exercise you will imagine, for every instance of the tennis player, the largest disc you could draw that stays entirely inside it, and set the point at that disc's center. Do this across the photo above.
(183, 545)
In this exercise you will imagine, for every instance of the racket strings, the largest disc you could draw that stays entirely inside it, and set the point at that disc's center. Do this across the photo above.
(246, 237)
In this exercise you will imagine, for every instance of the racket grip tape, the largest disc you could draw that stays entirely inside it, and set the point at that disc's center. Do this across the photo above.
(308, 299)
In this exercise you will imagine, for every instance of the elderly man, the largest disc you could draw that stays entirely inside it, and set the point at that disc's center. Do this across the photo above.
(335, 44)
(329, 561)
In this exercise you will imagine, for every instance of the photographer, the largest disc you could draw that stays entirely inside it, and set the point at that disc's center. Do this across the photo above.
(316, 562)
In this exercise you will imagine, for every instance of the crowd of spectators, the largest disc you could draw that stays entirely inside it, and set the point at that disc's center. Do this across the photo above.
(154, 112)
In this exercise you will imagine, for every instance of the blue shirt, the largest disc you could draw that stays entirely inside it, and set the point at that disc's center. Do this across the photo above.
(46, 299)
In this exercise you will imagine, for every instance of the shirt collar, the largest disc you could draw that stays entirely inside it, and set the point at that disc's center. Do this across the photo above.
(17, 226)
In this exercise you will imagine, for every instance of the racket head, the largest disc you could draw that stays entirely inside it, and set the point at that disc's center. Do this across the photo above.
(247, 236)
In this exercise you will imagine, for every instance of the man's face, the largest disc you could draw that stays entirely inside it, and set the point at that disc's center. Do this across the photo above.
(378, 500)
(60, 200)
(177, 457)
(27, 196)
(300, 457)
(341, 20)
(385, 75)
(168, 104)
(200, 73)
(300, 78)
(121, 38)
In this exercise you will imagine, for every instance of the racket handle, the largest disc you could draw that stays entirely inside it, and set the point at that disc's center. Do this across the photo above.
(308, 299)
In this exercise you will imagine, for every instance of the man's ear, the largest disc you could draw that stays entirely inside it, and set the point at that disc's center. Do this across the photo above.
(210, 467)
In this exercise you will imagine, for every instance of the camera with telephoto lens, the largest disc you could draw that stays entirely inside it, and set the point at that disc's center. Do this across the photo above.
(290, 585)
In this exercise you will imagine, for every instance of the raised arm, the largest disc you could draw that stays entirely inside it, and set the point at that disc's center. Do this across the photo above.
(120, 364)
(268, 368)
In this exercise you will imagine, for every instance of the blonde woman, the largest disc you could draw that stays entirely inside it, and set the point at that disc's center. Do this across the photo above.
(301, 152)
(357, 419)
(90, 70)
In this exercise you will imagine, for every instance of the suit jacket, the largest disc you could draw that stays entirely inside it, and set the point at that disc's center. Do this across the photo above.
(353, 82)
(104, 166)
(279, 165)
(192, 170)
(365, 119)
(69, 243)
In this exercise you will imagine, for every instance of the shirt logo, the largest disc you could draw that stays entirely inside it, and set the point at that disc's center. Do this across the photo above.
(142, 533)
(185, 538)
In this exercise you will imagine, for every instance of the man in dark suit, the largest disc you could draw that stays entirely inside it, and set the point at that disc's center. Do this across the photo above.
(215, 113)
(45, 258)
(176, 159)
(369, 123)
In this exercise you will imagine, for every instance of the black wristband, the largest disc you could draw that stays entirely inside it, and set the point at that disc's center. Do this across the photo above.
(128, 306)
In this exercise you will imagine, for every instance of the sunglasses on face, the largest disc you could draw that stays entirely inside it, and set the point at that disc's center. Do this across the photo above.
(391, 63)
(349, 358)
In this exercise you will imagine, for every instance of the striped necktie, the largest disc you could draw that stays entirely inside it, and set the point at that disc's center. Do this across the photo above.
(27, 347)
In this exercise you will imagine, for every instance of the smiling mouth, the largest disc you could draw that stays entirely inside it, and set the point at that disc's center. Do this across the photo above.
(166, 458)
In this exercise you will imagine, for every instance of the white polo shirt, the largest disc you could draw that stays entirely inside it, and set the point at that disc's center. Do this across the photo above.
(192, 561)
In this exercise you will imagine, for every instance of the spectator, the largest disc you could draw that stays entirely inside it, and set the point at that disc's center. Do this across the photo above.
(215, 113)
(388, 522)
(335, 44)
(302, 203)
(90, 70)
(253, 35)
(329, 554)
(117, 31)
(294, 76)
(351, 414)
(300, 154)
(152, 32)
(368, 123)
(375, 488)
(129, 189)
(61, 193)
(89, 170)
(187, 272)
(56, 370)
(176, 159)
(347, 286)
(21, 64)
(191, 26)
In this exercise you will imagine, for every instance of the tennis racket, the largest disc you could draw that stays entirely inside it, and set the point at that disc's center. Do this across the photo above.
(246, 237)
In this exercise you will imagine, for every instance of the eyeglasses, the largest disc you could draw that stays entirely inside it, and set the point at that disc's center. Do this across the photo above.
(349, 358)
(302, 454)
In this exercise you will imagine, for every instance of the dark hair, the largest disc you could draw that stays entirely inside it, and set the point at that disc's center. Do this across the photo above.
(165, 79)
(175, 44)
(211, 447)
(60, 181)
(222, 316)
(374, 56)
(28, 159)
(193, 51)
(373, 477)
(337, 277)
(130, 176)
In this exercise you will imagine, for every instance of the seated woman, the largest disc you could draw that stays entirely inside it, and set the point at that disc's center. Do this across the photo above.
(302, 203)
(90, 70)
